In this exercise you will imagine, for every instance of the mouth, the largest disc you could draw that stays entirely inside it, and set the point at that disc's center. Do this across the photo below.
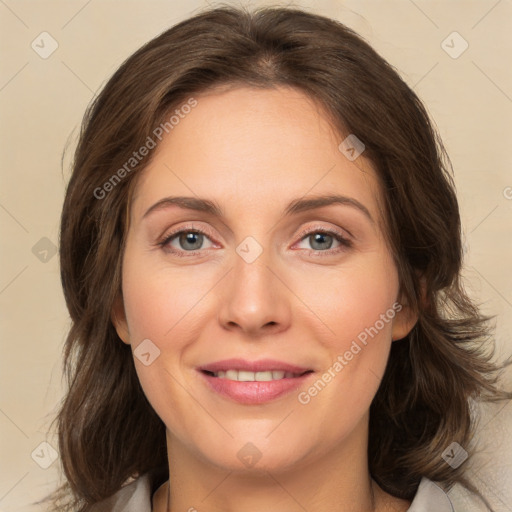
(252, 383)
(248, 376)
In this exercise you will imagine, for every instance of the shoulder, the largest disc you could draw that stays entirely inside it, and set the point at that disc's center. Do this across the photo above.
(430, 496)
(465, 500)
(136, 497)
(133, 497)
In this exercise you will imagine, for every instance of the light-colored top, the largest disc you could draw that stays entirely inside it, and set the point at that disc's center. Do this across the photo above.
(136, 497)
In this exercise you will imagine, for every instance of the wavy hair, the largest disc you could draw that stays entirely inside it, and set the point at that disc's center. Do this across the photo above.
(107, 430)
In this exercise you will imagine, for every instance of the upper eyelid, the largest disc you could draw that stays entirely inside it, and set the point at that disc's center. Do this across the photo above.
(186, 229)
(342, 232)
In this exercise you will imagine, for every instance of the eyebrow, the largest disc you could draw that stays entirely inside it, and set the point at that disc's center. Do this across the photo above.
(296, 206)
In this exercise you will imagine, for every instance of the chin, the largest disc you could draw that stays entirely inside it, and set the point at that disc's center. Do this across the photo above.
(255, 456)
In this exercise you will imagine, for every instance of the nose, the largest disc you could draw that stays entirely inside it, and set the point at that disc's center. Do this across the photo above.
(254, 298)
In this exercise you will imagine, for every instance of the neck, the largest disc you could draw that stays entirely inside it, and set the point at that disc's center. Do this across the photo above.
(338, 480)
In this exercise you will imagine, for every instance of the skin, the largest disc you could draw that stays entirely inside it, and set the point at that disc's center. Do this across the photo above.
(253, 151)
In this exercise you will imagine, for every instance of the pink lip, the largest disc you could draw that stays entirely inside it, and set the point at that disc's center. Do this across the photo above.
(262, 365)
(253, 393)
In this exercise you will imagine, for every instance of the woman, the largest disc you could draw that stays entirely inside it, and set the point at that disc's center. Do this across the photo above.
(256, 369)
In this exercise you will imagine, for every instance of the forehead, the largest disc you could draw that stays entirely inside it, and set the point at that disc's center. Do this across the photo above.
(255, 148)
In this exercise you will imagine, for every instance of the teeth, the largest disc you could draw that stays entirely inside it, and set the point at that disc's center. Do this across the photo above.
(230, 374)
(245, 376)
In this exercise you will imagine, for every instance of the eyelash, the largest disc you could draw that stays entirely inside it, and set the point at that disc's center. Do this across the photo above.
(344, 242)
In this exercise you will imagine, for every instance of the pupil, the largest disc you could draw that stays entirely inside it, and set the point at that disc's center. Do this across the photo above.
(319, 237)
(189, 238)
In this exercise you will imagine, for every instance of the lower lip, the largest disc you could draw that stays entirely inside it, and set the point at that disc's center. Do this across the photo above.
(253, 393)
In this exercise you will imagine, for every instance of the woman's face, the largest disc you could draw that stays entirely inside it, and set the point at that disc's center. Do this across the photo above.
(267, 278)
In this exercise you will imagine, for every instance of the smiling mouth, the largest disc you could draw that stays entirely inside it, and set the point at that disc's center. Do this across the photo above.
(248, 376)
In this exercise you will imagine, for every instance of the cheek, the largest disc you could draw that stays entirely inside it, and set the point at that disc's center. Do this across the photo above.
(367, 298)
(351, 300)
(159, 307)
(359, 311)
(158, 301)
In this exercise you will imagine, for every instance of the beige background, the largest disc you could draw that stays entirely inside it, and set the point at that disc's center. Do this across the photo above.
(42, 102)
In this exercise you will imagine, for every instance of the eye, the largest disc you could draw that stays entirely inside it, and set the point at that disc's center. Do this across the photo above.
(321, 241)
(190, 241)
(185, 242)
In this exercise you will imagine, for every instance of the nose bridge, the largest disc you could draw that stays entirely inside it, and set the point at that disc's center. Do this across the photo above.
(253, 296)
(252, 277)
(251, 265)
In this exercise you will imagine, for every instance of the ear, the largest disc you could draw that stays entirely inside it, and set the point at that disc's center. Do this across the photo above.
(406, 317)
(118, 318)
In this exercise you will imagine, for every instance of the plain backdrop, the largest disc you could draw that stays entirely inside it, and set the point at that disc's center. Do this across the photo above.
(464, 79)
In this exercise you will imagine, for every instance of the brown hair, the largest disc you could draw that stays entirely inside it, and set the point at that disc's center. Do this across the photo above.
(107, 429)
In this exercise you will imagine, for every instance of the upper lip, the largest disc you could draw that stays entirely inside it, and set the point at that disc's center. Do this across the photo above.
(262, 365)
